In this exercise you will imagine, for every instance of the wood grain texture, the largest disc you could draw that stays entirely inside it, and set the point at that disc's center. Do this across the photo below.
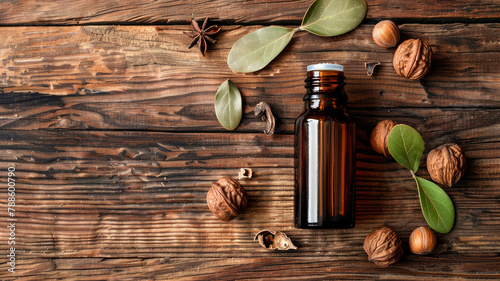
(261, 268)
(81, 195)
(278, 267)
(248, 12)
(136, 77)
(155, 63)
(109, 122)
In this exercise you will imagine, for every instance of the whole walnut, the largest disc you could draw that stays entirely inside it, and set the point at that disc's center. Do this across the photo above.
(226, 199)
(383, 247)
(379, 136)
(446, 164)
(413, 58)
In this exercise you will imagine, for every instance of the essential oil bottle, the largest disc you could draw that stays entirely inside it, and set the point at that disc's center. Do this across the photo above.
(325, 141)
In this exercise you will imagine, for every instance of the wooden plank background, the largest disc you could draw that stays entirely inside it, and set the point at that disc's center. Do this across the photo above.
(108, 120)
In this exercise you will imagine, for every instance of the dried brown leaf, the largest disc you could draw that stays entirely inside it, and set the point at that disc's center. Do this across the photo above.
(264, 111)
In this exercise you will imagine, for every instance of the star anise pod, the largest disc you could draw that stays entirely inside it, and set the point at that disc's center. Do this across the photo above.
(202, 35)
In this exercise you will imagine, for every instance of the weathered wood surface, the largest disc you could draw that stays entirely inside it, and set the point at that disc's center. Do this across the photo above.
(48, 12)
(82, 196)
(137, 77)
(112, 132)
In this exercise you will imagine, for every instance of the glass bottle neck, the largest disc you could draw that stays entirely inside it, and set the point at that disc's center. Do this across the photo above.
(321, 102)
(325, 89)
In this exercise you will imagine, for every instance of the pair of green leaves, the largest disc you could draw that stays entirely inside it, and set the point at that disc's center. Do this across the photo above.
(257, 49)
(406, 147)
(324, 18)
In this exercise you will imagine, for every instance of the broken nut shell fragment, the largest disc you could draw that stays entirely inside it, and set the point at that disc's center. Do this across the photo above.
(245, 173)
(263, 110)
(274, 240)
(370, 67)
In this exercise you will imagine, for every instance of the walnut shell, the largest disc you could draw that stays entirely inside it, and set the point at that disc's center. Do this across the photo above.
(386, 34)
(446, 164)
(413, 58)
(379, 136)
(422, 241)
(383, 247)
(226, 199)
(274, 240)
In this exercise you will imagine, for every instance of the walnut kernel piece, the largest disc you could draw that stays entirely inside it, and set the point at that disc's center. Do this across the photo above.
(226, 199)
(379, 136)
(446, 164)
(413, 59)
(383, 247)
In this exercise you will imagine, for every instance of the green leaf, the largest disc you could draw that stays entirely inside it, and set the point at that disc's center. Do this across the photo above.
(334, 17)
(436, 206)
(228, 105)
(256, 50)
(406, 146)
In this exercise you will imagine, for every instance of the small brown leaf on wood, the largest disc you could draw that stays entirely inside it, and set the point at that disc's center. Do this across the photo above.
(264, 111)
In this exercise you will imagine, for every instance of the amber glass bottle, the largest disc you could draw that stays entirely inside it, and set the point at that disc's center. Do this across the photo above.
(325, 140)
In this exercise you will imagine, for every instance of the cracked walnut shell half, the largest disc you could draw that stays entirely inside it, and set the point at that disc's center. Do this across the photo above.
(226, 199)
(274, 240)
(413, 59)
